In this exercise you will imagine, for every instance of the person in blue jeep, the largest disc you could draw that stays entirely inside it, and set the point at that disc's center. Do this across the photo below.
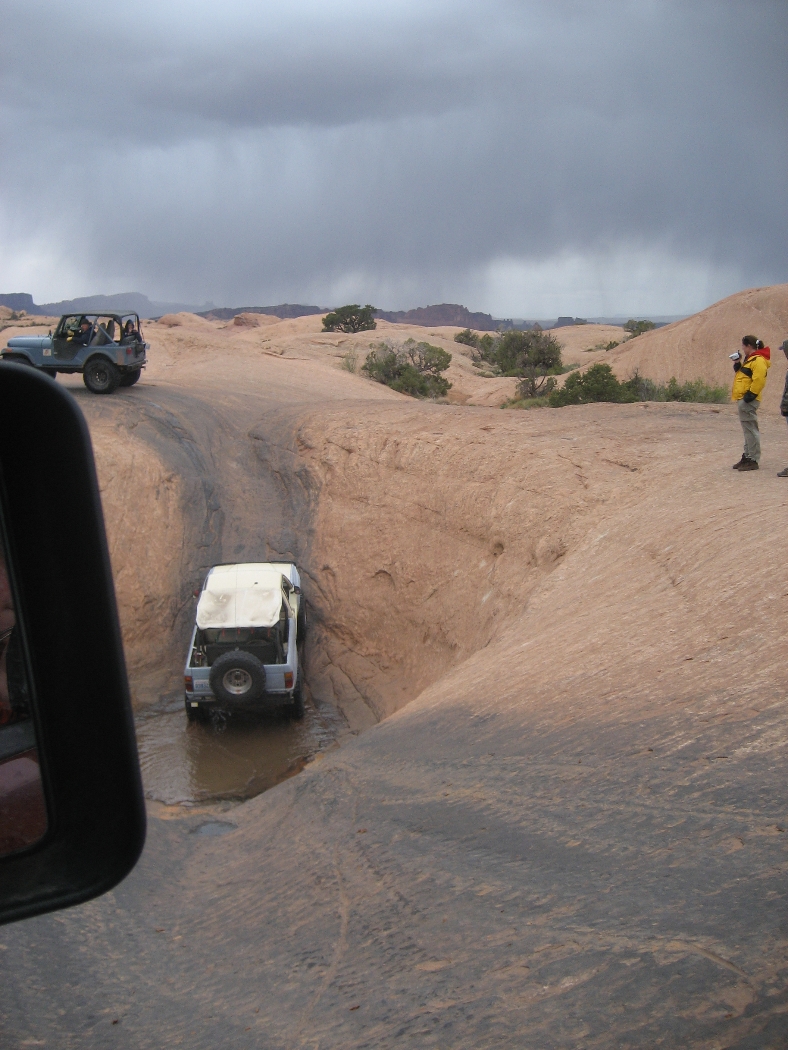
(82, 337)
(130, 333)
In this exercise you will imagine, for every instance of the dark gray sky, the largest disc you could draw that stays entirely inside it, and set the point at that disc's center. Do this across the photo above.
(527, 158)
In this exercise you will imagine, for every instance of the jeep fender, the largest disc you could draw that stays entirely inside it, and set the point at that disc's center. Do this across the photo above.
(99, 351)
(18, 357)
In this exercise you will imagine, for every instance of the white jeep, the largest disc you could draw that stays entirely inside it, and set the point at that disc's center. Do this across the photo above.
(244, 649)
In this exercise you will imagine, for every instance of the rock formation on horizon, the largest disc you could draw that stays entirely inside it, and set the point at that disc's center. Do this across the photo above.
(446, 314)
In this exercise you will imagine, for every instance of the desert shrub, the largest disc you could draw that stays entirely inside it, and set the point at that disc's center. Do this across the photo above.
(533, 357)
(467, 337)
(694, 390)
(486, 349)
(535, 384)
(425, 358)
(599, 383)
(351, 318)
(528, 402)
(638, 327)
(602, 346)
(516, 351)
(482, 349)
(350, 360)
(412, 368)
(382, 364)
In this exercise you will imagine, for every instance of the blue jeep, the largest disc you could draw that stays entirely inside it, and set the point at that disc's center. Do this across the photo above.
(108, 349)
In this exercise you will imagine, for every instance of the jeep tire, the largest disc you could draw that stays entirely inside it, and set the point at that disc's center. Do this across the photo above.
(302, 622)
(297, 707)
(101, 376)
(130, 378)
(237, 677)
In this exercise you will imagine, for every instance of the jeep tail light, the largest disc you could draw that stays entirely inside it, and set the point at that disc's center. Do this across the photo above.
(288, 679)
(129, 351)
(188, 681)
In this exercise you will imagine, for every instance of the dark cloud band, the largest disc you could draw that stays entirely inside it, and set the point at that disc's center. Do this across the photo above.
(408, 146)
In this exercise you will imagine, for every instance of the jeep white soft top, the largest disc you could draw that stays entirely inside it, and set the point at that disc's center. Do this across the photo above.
(247, 595)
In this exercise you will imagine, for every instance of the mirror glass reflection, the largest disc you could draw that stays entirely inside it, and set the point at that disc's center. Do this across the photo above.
(23, 816)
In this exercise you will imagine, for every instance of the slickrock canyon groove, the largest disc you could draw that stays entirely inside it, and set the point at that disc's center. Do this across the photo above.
(568, 828)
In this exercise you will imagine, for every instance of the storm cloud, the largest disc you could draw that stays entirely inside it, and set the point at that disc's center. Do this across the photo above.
(526, 158)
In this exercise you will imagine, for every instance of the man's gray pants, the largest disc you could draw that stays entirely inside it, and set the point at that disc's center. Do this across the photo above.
(748, 417)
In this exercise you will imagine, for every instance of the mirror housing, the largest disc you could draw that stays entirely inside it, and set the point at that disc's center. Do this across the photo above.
(59, 561)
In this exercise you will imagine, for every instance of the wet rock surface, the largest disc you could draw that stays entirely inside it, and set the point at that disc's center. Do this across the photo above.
(229, 757)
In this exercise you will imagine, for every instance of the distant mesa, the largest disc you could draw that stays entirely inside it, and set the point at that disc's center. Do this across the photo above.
(445, 315)
(426, 316)
(565, 322)
(18, 301)
(123, 302)
(285, 311)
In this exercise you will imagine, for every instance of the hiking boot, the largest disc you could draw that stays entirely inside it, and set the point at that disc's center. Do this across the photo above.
(748, 464)
(738, 466)
(783, 473)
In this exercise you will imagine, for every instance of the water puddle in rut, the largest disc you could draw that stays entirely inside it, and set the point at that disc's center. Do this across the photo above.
(235, 757)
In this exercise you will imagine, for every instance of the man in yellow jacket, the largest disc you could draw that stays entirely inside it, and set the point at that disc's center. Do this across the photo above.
(750, 367)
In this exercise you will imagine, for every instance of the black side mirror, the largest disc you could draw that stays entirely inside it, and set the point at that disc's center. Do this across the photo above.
(72, 817)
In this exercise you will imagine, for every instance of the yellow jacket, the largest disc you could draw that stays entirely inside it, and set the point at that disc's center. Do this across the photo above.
(751, 375)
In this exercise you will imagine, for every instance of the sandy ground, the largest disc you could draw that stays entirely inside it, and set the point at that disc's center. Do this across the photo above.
(562, 633)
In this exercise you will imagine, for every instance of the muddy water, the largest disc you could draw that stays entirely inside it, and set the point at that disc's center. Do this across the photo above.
(233, 757)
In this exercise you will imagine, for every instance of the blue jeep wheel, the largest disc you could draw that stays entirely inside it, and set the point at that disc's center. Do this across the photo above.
(101, 376)
(130, 378)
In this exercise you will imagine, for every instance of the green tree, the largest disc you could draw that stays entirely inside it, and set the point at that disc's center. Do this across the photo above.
(534, 357)
(598, 383)
(351, 318)
(638, 327)
(425, 358)
(414, 368)
(467, 337)
(382, 364)
(486, 348)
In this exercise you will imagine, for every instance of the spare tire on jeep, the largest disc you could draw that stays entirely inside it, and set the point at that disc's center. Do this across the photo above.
(237, 676)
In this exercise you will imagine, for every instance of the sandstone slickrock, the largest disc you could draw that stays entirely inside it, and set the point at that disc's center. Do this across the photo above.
(569, 828)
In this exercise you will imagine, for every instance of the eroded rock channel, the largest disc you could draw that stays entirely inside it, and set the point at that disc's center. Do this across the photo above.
(414, 549)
